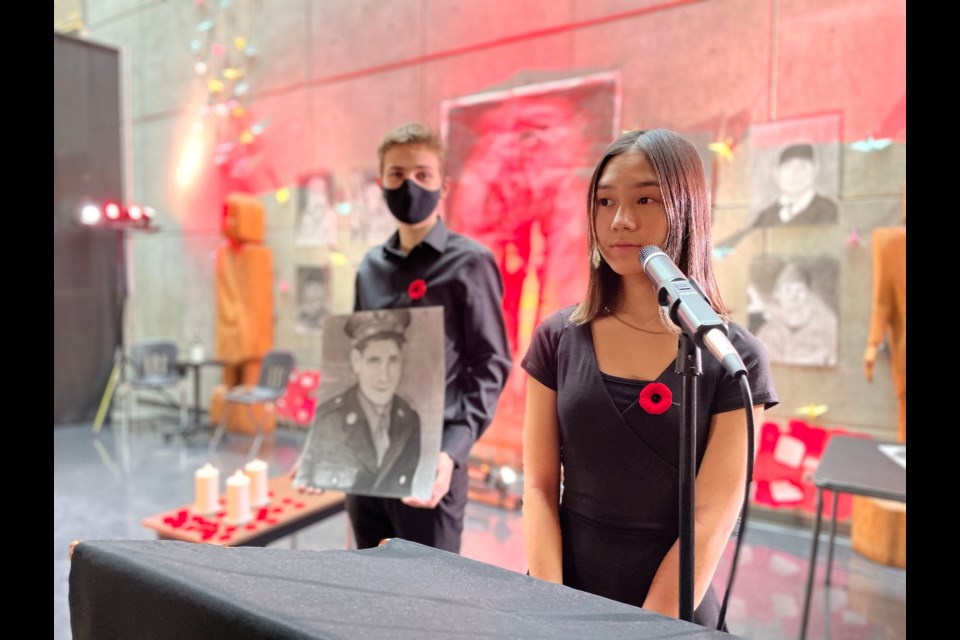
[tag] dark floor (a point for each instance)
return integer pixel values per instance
(103, 491)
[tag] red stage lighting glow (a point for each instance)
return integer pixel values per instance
(112, 210)
(135, 212)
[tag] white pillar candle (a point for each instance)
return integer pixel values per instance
(238, 498)
(256, 470)
(196, 350)
(206, 489)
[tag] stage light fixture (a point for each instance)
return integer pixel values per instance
(113, 215)
(90, 214)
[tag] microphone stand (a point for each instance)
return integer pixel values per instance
(688, 365)
(688, 308)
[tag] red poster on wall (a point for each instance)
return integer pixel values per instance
(519, 162)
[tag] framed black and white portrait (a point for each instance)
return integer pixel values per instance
(371, 222)
(795, 172)
(379, 419)
(793, 309)
(316, 220)
(313, 298)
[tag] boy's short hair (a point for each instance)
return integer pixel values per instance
(412, 133)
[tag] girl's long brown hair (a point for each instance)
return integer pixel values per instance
(687, 205)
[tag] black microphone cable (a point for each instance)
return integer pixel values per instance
(744, 511)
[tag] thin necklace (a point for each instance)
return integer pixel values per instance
(633, 326)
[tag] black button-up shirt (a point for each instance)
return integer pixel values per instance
(461, 276)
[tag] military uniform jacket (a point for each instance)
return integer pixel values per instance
(339, 453)
(821, 210)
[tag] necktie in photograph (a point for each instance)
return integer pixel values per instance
(381, 440)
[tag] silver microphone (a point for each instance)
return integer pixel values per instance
(689, 309)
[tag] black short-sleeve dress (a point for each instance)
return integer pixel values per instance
(619, 503)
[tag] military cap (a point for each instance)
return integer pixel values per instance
(384, 323)
(801, 150)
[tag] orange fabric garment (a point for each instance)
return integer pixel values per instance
(243, 219)
(244, 289)
(244, 328)
(889, 317)
(244, 273)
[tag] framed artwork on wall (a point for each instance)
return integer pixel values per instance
(518, 163)
(371, 222)
(794, 311)
(313, 298)
(316, 220)
(795, 172)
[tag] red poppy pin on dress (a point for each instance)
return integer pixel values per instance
(656, 398)
(417, 289)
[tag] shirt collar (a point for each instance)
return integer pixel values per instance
(371, 410)
(437, 238)
(793, 206)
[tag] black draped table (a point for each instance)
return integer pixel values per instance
(401, 590)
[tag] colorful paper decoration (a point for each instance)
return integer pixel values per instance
(298, 404)
(723, 148)
(853, 239)
(787, 458)
(812, 411)
(222, 56)
(871, 144)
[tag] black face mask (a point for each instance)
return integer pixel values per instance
(410, 202)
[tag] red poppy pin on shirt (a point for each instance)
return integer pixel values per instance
(417, 289)
(656, 398)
